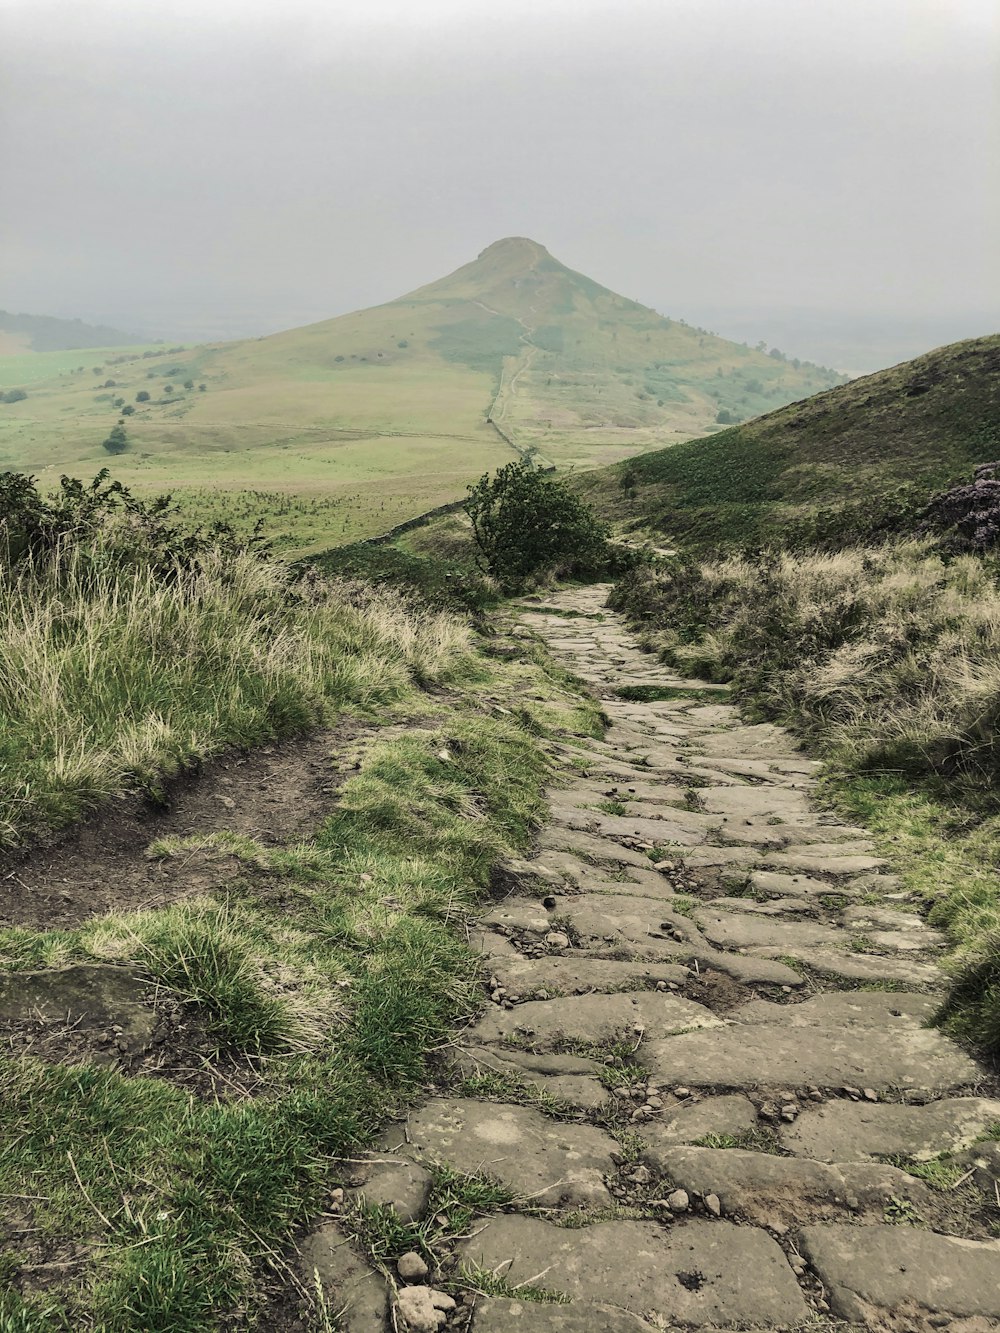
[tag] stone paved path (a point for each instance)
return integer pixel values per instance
(706, 1068)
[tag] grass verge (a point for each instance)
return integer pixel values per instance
(330, 968)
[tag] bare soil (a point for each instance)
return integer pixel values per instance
(277, 795)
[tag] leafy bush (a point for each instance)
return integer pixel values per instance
(525, 522)
(104, 518)
(142, 396)
(13, 396)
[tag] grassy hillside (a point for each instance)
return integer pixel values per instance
(826, 467)
(358, 422)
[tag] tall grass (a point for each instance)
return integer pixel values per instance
(888, 661)
(114, 673)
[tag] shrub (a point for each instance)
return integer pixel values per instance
(128, 410)
(142, 396)
(13, 396)
(525, 522)
(117, 441)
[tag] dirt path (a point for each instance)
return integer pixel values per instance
(272, 795)
(703, 1074)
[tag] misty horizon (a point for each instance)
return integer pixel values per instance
(823, 177)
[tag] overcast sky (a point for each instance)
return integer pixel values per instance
(227, 167)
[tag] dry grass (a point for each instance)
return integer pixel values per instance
(114, 675)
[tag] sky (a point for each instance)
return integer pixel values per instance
(824, 174)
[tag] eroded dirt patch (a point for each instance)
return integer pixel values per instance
(276, 795)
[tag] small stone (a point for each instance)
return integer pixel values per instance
(798, 1267)
(713, 1205)
(768, 1111)
(661, 985)
(555, 939)
(442, 1301)
(642, 1175)
(678, 1201)
(870, 1095)
(416, 1308)
(682, 1092)
(411, 1267)
(789, 1111)
(336, 1198)
(853, 1093)
(549, 901)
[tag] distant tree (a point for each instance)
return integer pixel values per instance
(13, 396)
(168, 388)
(118, 402)
(98, 370)
(108, 384)
(128, 410)
(142, 396)
(725, 417)
(778, 356)
(117, 441)
(202, 388)
(403, 342)
(189, 384)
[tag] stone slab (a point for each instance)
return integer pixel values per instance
(732, 1114)
(592, 1018)
(93, 996)
(766, 1189)
(890, 1268)
(772, 1055)
(494, 1315)
(848, 1009)
(858, 966)
(698, 1273)
(551, 1162)
(353, 1291)
(575, 971)
(567, 1077)
(587, 845)
(846, 1131)
(738, 930)
(401, 1185)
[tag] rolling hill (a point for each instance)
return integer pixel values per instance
(865, 453)
(350, 425)
(45, 333)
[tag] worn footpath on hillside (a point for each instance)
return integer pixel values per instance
(705, 1084)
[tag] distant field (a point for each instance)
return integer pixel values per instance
(24, 368)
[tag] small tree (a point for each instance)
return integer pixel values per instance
(142, 396)
(189, 384)
(117, 441)
(525, 522)
(13, 396)
(128, 410)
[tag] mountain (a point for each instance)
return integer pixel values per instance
(44, 333)
(366, 419)
(864, 454)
